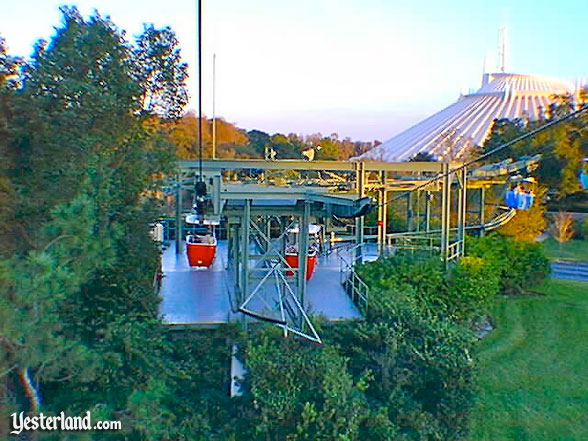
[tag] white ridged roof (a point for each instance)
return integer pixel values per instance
(467, 122)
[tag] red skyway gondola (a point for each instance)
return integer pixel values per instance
(313, 248)
(201, 246)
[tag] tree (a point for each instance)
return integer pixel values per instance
(285, 147)
(80, 83)
(81, 160)
(423, 157)
(562, 227)
(528, 224)
(9, 69)
(562, 147)
(160, 72)
(258, 141)
(230, 140)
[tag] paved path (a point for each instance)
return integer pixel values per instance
(569, 269)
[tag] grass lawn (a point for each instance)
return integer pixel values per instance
(533, 368)
(572, 249)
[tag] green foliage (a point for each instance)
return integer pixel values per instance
(77, 303)
(420, 370)
(423, 157)
(473, 283)
(159, 71)
(581, 229)
(302, 392)
(258, 141)
(562, 147)
(414, 348)
(462, 294)
(520, 265)
(527, 225)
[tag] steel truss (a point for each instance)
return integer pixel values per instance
(267, 288)
(259, 206)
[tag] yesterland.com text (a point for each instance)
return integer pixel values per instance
(21, 422)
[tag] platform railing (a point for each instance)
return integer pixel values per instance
(414, 242)
(455, 250)
(354, 286)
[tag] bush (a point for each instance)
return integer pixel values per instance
(528, 224)
(461, 295)
(473, 283)
(423, 279)
(419, 365)
(520, 265)
(302, 391)
(581, 229)
(561, 228)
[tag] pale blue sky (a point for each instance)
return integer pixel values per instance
(364, 68)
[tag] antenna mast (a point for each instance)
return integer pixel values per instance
(200, 88)
(502, 49)
(213, 106)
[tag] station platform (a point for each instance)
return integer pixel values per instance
(194, 295)
(202, 296)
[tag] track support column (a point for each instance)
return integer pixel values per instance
(360, 184)
(462, 210)
(244, 248)
(445, 212)
(382, 213)
(179, 223)
(482, 207)
(303, 253)
(427, 211)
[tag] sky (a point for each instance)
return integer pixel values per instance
(364, 69)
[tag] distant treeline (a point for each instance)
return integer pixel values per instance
(234, 142)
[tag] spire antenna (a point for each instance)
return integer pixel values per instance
(502, 49)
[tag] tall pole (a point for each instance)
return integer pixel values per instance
(482, 206)
(360, 185)
(213, 106)
(303, 254)
(200, 88)
(179, 225)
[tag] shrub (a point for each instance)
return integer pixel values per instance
(462, 294)
(301, 391)
(520, 265)
(528, 224)
(419, 364)
(581, 229)
(472, 284)
(562, 227)
(424, 279)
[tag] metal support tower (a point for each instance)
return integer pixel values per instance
(303, 253)
(360, 181)
(267, 287)
(179, 219)
(445, 212)
(382, 212)
(428, 198)
(482, 205)
(461, 210)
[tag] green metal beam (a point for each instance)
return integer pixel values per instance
(293, 164)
